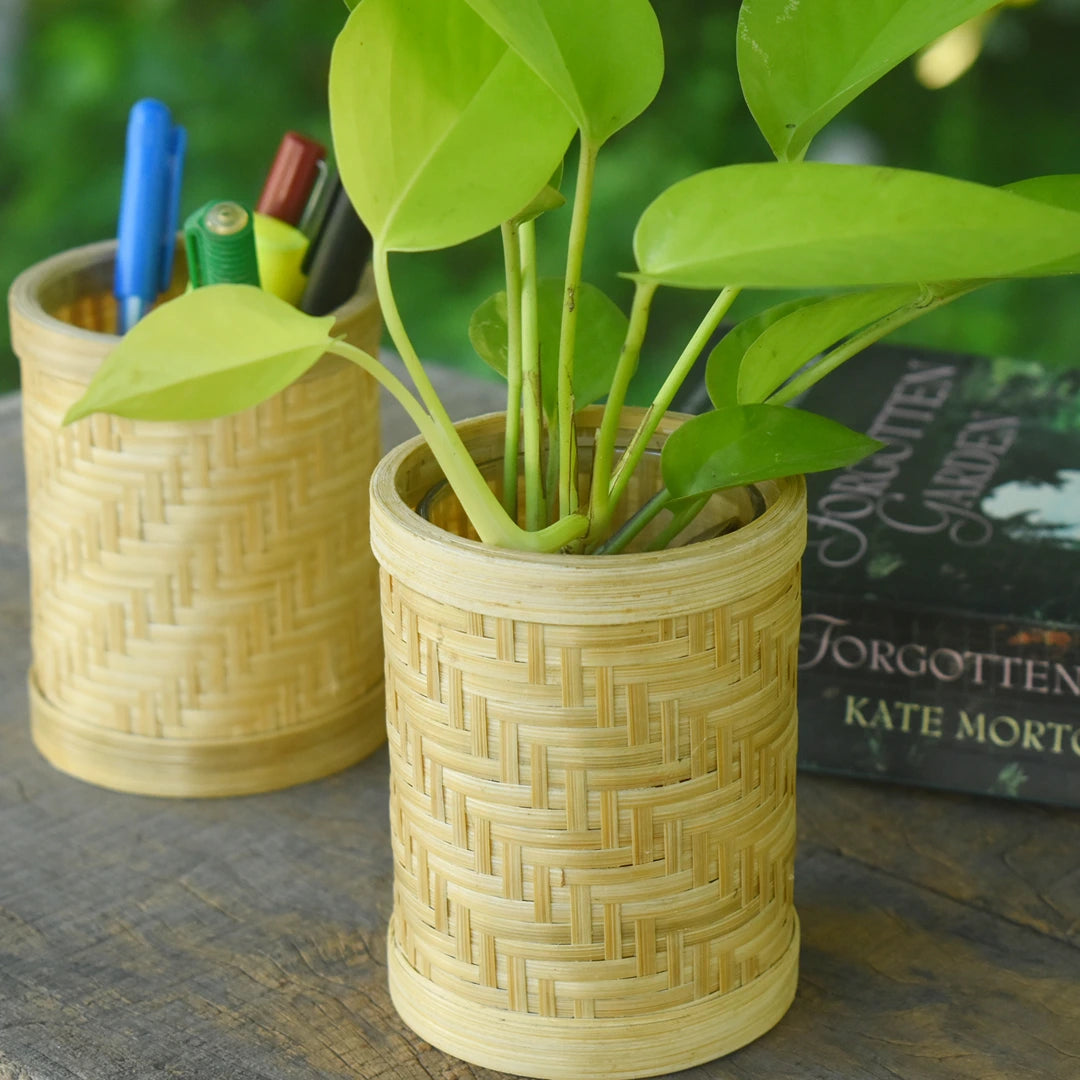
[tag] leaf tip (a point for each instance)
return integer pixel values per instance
(77, 412)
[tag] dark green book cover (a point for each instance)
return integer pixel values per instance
(941, 626)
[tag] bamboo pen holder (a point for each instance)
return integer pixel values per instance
(202, 593)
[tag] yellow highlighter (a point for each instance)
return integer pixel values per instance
(280, 249)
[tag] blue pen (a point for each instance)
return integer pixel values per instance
(149, 210)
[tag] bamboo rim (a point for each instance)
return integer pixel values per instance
(587, 588)
(622, 1048)
(206, 768)
(68, 351)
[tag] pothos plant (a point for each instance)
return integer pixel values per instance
(451, 118)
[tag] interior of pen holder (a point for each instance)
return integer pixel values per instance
(83, 297)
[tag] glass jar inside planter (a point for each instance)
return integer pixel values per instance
(725, 511)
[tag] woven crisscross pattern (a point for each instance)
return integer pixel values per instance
(593, 817)
(201, 592)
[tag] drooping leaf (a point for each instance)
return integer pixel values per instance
(742, 444)
(214, 351)
(722, 367)
(603, 58)
(813, 225)
(601, 332)
(801, 61)
(799, 336)
(441, 132)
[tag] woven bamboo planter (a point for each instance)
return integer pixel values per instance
(592, 784)
(201, 592)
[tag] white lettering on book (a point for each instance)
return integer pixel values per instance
(1003, 732)
(950, 504)
(828, 640)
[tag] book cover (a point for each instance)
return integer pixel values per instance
(941, 611)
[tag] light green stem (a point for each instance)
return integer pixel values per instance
(633, 525)
(530, 370)
(479, 502)
(604, 455)
(665, 395)
(575, 254)
(857, 342)
(679, 520)
(551, 483)
(512, 260)
(477, 499)
(401, 340)
(385, 377)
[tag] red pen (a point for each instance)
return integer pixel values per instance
(291, 178)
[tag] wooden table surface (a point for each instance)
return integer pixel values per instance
(245, 939)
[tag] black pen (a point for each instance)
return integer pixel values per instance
(337, 255)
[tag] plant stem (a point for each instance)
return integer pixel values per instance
(396, 328)
(551, 483)
(604, 454)
(530, 370)
(857, 342)
(633, 525)
(575, 254)
(385, 377)
(512, 260)
(477, 499)
(479, 502)
(664, 396)
(679, 520)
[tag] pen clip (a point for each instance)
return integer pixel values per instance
(196, 271)
(317, 202)
(171, 218)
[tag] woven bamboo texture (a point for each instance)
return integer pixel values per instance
(202, 593)
(592, 787)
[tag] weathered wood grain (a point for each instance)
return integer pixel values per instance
(1018, 861)
(244, 939)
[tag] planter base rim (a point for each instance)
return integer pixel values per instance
(620, 1048)
(204, 768)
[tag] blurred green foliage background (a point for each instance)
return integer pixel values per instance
(237, 74)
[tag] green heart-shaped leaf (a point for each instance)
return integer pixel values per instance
(801, 63)
(441, 132)
(211, 352)
(742, 444)
(722, 367)
(601, 331)
(816, 225)
(603, 58)
(488, 332)
(797, 337)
